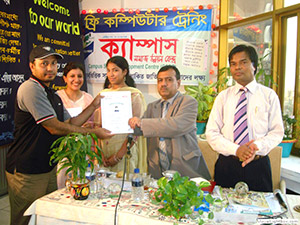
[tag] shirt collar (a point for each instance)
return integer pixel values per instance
(251, 87)
(32, 77)
(170, 100)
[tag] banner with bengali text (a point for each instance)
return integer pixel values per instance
(149, 41)
(23, 25)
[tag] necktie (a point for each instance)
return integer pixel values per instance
(162, 150)
(240, 128)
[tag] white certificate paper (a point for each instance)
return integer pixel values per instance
(116, 110)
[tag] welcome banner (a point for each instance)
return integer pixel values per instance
(23, 25)
(149, 41)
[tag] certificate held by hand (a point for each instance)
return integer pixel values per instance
(116, 110)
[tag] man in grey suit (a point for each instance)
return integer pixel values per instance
(171, 129)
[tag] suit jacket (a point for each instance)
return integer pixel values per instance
(179, 130)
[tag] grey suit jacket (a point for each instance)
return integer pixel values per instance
(179, 130)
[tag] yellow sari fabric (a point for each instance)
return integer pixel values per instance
(139, 149)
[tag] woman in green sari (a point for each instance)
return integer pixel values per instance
(115, 149)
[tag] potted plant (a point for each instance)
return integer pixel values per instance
(205, 96)
(76, 152)
(180, 196)
(288, 137)
(263, 74)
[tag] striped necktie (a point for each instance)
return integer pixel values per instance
(240, 128)
(162, 148)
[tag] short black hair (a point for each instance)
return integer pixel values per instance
(167, 67)
(249, 50)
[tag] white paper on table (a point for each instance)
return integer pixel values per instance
(116, 110)
(273, 203)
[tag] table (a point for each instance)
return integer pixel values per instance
(59, 207)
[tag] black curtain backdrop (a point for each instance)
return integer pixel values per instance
(23, 25)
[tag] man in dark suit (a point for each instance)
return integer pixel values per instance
(171, 129)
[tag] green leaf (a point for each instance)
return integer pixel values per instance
(208, 98)
(175, 214)
(168, 197)
(196, 201)
(209, 199)
(168, 188)
(204, 184)
(175, 202)
(188, 211)
(158, 195)
(162, 182)
(181, 189)
(162, 211)
(201, 221)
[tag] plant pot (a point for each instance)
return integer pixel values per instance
(80, 191)
(287, 147)
(201, 125)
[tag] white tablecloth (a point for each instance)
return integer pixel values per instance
(59, 207)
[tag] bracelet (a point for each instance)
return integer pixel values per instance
(116, 158)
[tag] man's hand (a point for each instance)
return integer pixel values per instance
(246, 151)
(102, 133)
(253, 147)
(248, 160)
(135, 121)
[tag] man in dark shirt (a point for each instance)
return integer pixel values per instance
(40, 118)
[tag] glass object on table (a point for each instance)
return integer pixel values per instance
(101, 175)
(68, 182)
(241, 189)
(153, 183)
(147, 179)
(218, 205)
(113, 190)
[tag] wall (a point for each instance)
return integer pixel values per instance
(149, 91)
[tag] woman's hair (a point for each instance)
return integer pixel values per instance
(71, 66)
(106, 83)
(123, 64)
